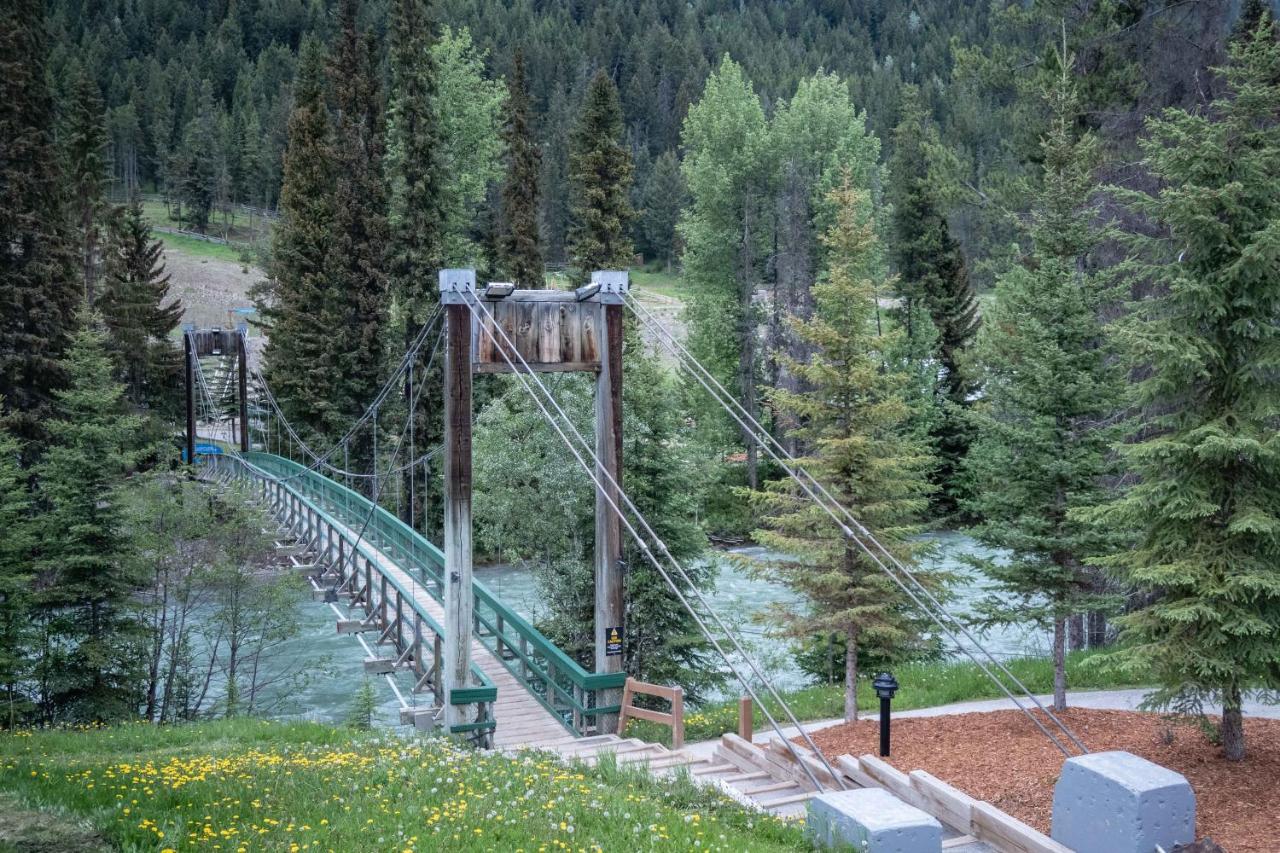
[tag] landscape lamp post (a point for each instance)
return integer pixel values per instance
(885, 685)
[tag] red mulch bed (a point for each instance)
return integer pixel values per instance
(1001, 757)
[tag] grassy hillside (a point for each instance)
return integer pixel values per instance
(245, 785)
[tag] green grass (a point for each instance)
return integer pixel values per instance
(923, 685)
(200, 248)
(663, 283)
(247, 785)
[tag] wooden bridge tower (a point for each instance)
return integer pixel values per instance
(553, 331)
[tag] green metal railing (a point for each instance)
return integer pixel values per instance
(485, 692)
(551, 676)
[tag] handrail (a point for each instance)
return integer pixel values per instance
(558, 681)
(487, 691)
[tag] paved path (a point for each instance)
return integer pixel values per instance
(1109, 700)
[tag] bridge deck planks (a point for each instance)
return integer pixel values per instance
(527, 721)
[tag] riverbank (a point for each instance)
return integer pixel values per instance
(923, 685)
(258, 785)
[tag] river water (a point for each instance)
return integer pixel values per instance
(335, 670)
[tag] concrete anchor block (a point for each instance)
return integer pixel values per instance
(1117, 802)
(871, 820)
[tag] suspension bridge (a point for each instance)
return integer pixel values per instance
(457, 657)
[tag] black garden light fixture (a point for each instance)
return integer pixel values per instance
(885, 686)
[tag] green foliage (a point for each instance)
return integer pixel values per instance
(600, 174)
(84, 144)
(294, 770)
(853, 424)
(469, 116)
(291, 303)
(15, 579)
(521, 249)
(1050, 391)
(725, 139)
(521, 463)
(1205, 343)
(932, 274)
(133, 306)
(90, 631)
(354, 308)
(364, 707)
(39, 288)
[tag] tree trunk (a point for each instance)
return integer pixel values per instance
(1077, 632)
(1097, 629)
(1232, 729)
(851, 676)
(747, 334)
(1059, 664)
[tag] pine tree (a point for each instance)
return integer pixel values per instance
(600, 183)
(85, 152)
(89, 660)
(415, 177)
(355, 306)
(292, 303)
(661, 200)
(133, 306)
(197, 168)
(855, 426)
(39, 289)
(521, 245)
(1205, 345)
(1049, 392)
(15, 581)
(932, 274)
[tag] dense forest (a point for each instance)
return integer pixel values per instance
(1006, 267)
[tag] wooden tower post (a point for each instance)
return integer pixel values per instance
(610, 636)
(190, 357)
(242, 391)
(457, 289)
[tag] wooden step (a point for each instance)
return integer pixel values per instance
(746, 777)
(773, 786)
(786, 801)
(715, 768)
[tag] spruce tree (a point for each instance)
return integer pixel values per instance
(600, 183)
(85, 152)
(293, 300)
(520, 243)
(39, 287)
(1203, 456)
(415, 178)
(15, 581)
(855, 431)
(932, 274)
(91, 631)
(1049, 392)
(355, 306)
(137, 311)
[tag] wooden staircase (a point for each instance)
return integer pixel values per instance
(739, 769)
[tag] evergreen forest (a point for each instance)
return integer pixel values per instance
(1004, 268)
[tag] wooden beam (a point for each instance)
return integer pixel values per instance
(242, 390)
(458, 596)
(608, 557)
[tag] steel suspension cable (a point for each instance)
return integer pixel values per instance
(813, 488)
(488, 327)
(391, 383)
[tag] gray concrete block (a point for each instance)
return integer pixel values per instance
(871, 820)
(1116, 802)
